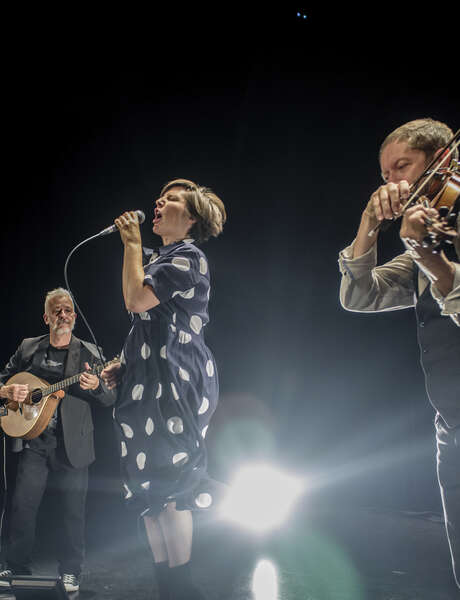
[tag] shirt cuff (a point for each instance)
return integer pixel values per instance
(450, 304)
(359, 266)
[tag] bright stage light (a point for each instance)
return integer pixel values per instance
(260, 497)
(265, 581)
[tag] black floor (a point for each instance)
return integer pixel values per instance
(323, 553)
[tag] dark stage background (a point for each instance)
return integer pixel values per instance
(283, 118)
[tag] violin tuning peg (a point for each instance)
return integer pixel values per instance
(443, 211)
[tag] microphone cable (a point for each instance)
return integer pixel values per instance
(5, 488)
(80, 312)
(106, 231)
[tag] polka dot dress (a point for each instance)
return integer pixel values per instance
(169, 388)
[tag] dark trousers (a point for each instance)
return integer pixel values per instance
(448, 466)
(37, 470)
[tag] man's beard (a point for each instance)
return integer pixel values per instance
(63, 329)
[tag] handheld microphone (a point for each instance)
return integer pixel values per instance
(113, 228)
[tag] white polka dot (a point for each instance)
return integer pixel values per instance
(174, 318)
(163, 351)
(137, 392)
(149, 426)
(129, 433)
(210, 368)
(173, 328)
(203, 266)
(180, 456)
(144, 316)
(145, 485)
(182, 263)
(175, 425)
(174, 391)
(124, 450)
(153, 258)
(204, 406)
(184, 337)
(205, 431)
(159, 391)
(196, 324)
(183, 374)
(128, 491)
(140, 460)
(187, 295)
(148, 276)
(145, 351)
(203, 500)
(113, 414)
(209, 292)
(122, 358)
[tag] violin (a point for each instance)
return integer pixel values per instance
(437, 187)
(444, 196)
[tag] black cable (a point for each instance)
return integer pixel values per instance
(5, 488)
(93, 337)
(111, 229)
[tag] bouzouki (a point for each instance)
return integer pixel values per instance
(30, 418)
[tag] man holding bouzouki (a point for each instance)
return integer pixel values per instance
(53, 430)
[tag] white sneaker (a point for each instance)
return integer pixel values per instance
(5, 577)
(70, 581)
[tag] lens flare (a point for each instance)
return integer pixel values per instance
(265, 581)
(260, 497)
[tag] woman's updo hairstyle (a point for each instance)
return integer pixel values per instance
(204, 206)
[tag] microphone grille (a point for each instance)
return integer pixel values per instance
(140, 216)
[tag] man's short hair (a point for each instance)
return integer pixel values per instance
(54, 294)
(427, 135)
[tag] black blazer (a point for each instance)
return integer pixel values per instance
(75, 407)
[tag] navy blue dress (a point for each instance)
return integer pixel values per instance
(169, 387)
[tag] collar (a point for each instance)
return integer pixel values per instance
(150, 253)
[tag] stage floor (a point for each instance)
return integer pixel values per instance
(323, 553)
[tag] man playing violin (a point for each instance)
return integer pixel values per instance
(59, 457)
(420, 278)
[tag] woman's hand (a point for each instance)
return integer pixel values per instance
(128, 226)
(111, 375)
